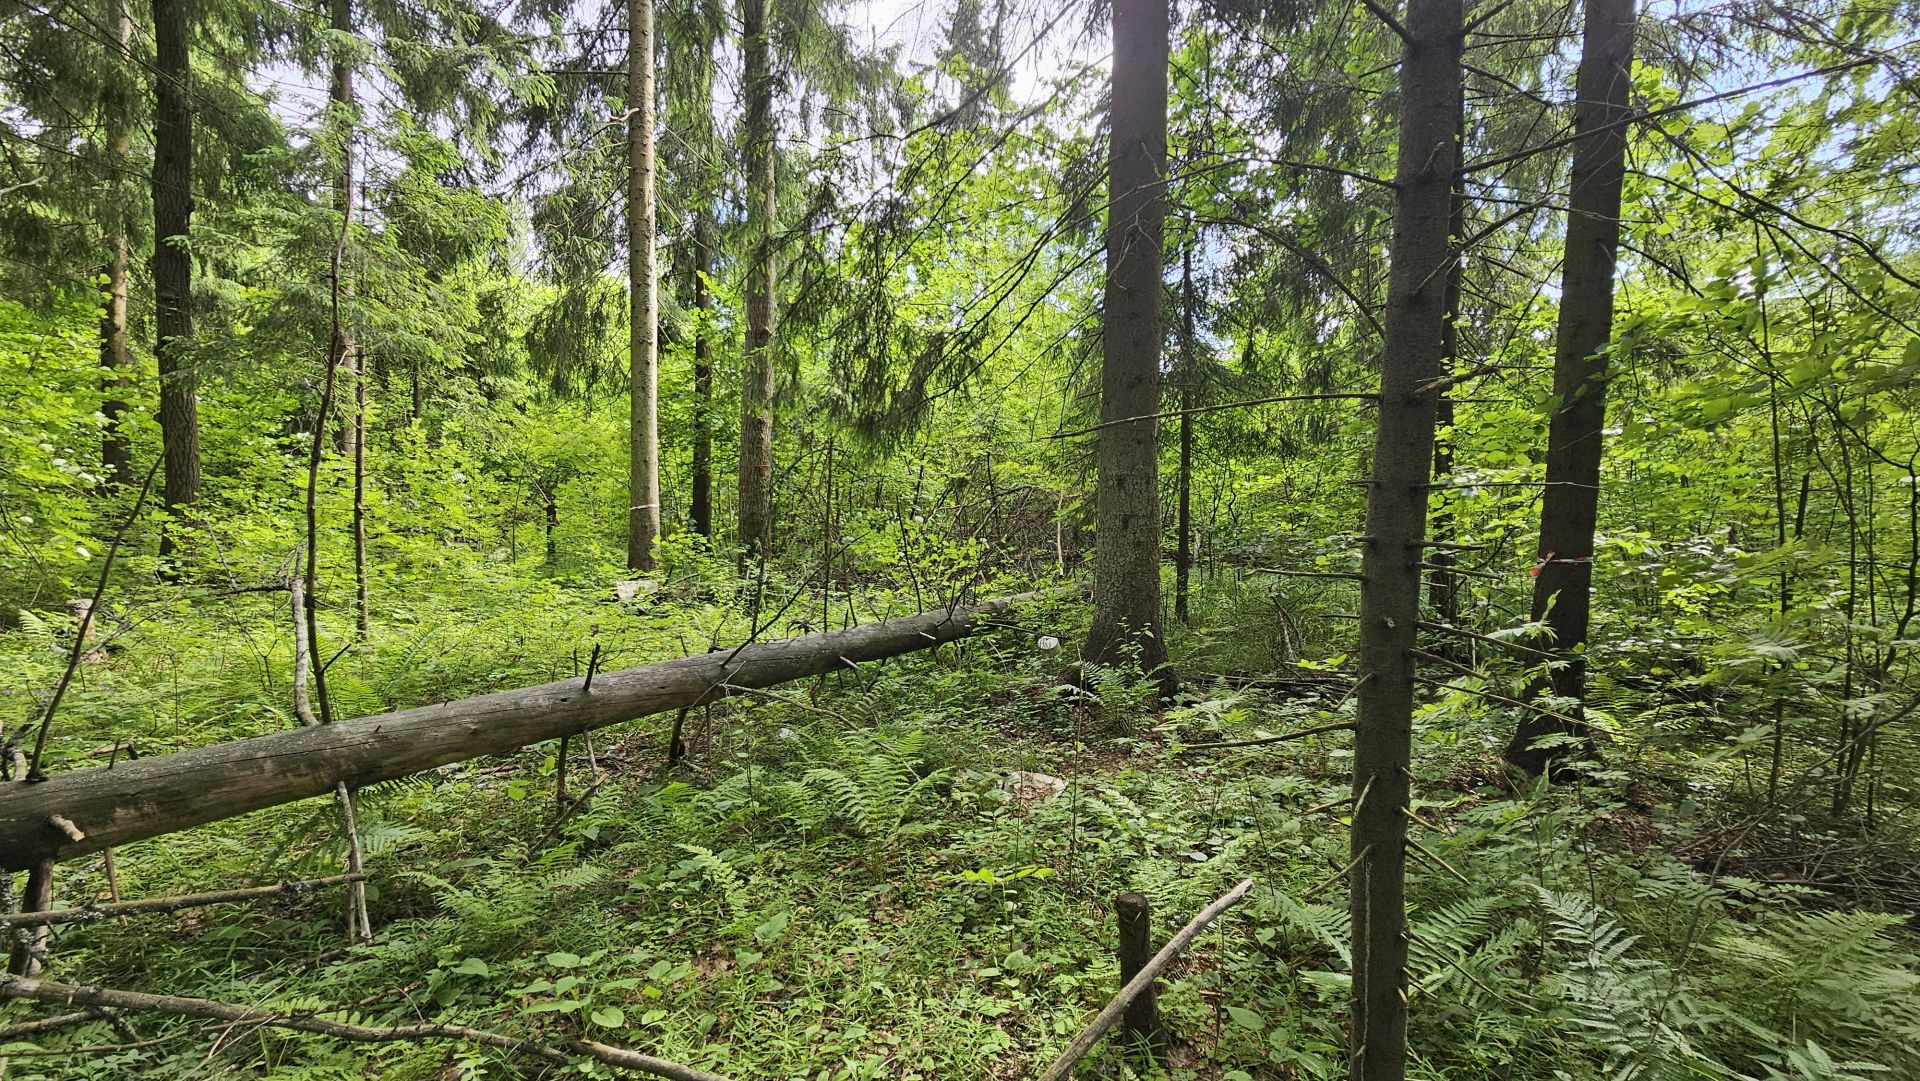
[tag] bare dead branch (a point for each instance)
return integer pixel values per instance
(107, 998)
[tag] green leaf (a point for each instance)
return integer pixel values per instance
(769, 932)
(608, 1017)
(1246, 1019)
(473, 966)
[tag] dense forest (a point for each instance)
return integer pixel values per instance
(844, 539)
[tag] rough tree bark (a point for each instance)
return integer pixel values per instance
(643, 514)
(158, 795)
(173, 265)
(756, 386)
(1562, 591)
(116, 351)
(1443, 586)
(1126, 584)
(701, 510)
(1411, 356)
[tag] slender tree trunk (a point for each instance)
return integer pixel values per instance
(302, 655)
(345, 362)
(1126, 585)
(1411, 358)
(173, 265)
(358, 927)
(643, 515)
(701, 510)
(116, 351)
(1850, 608)
(826, 548)
(363, 617)
(756, 386)
(1443, 585)
(550, 504)
(1562, 591)
(1183, 548)
(1784, 595)
(345, 358)
(705, 192)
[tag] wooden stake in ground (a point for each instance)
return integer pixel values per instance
(1133, 917)
(1111, 1014)
(1412, 350)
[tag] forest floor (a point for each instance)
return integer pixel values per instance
(908, 872)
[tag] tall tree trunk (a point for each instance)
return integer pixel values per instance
(345, 361)
(116, 351)
(643, 341)
(701, 511)
(756, 386)
(345, 358)
(1126, 584)
(706, 190)
(173, 265)
(1562, 591)
(1183, 547)
(363, 618)
(1411, 358)
(1443, 586)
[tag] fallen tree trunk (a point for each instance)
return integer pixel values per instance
(98, 808)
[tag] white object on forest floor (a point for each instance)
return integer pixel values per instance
(1034, 787)
(632, 588)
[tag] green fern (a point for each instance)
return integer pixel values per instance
(503, 900)
(706, 863)
(1618, 1004)
(872, 787)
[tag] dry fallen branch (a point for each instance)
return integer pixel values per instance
(47, 1024)
(106, 998)
(89, 913)
(1342, 726)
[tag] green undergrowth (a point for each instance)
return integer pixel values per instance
(863, 878)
